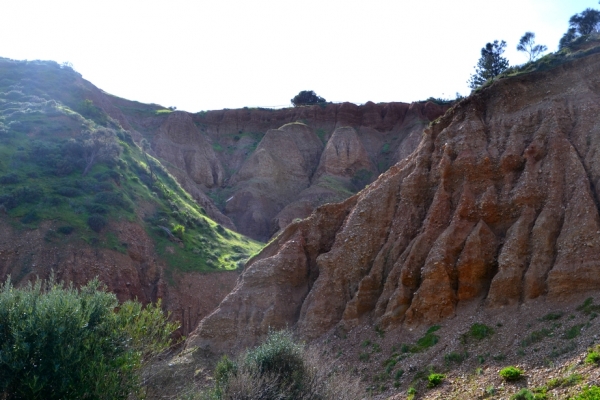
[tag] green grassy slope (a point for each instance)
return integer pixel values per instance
(49, 129)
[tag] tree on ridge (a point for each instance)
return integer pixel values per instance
(527, 45)
(490, 65)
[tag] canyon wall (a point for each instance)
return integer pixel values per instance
(497, 205)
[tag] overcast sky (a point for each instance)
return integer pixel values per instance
(205, 55)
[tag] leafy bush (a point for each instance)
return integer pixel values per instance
(428, 340)
(588, 307)
(511, 373)
(523, 394)
(593, 357)
(435, 379)
(553, 316)
(178, 230)
(480, 331)
(589, 393)
(96, 222)
(573, 331)
(455, 357)
(280, 369)
(65, 230)
(58, 342)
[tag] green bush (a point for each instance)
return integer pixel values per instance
(435, 379)
(593, 357)
(511, 373)
(480, 331)
(65, 230)
(178, 230)
(523, 394)
(588, 393)
(58, 342)
(96, 222)
(280, 369)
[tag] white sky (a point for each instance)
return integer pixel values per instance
(205, 55)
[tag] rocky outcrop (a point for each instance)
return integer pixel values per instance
(180, 143)
(498, 205)
(279, 169)
(345, 155)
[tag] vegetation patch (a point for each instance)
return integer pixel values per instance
(511, 373)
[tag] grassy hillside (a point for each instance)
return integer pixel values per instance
(62, 159)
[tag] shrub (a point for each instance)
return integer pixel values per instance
(552, 316)
(435, 379)
(589, 393)
(511, 373)
(523, 394)
(280, 368)
(58, 342)
(455, 357)
(428, 340)
(573, 331)
(593, 357)
(96, 222)
(65, 230)
(178, 230)
(480, 331)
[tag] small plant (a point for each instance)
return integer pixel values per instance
(589, 393)
(490, 390)
(588, 307)
(553, 316)
(178, 230)
(523, 394)
(365, 343)
(364, 357)
(398, 374)
(454, 357)
(379, 331)
(511, 373)
(435, 379)
(573, 331)
(427, 341)
(593, 357)
(411, 393)
(96, 222)
(480, 331)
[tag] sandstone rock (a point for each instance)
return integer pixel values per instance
(497, 205)
(179, 142)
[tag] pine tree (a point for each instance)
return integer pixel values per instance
(490, 65)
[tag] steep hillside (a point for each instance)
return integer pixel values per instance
(497, 209)
(80, 198)
(248, 166)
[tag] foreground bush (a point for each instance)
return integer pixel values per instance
(59, 342)
(511, 373)
(281, 369)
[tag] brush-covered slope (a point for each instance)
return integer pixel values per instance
(497, 206)
(80, 198)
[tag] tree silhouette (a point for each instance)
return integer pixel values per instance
(582, 24)
(527, 45)
(307, 97)
(490, 65)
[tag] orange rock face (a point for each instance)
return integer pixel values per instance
(497, 205)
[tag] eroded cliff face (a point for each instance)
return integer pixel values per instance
(497, 205)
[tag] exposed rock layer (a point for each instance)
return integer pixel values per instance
(498, 204)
